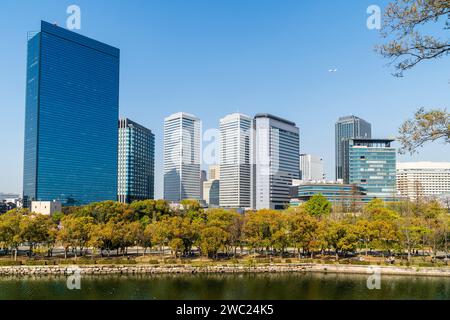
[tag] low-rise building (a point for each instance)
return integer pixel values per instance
(336, 192)
(423, 179)
(46, 207)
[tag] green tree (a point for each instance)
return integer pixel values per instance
(318, 206)
(342, 237)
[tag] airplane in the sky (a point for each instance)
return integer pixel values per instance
(332, 70)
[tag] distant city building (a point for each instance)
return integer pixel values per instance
(7, 205)
(47, 208)
(372, 165)
(203, 179)
(211, 192)
(5, 196)
(182, 134)
(350, 127)
(235, 161)
(423, 179)
(311, 168)
(136, 175)
(275, 154)
(72, 107)
(214, 172)
(345, 195)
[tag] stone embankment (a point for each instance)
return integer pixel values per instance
(219, 269)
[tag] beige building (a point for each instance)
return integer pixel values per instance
(47, 208)
(423, 179)
(214, 172)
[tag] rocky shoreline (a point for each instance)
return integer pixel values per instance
(219, 269)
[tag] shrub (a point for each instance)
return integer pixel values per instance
(170, 261)
(35, 263)
(276, 261)
(8, 263)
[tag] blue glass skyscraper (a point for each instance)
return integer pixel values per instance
(72, 108)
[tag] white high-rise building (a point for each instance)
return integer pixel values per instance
(276, 151)
(311, 168)
(182, 145)
(423, 179)
(235, 161)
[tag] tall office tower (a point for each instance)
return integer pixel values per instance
(136, 162)
(235, 161)
(373, 167)
(72, 108)
(182, 132)
(311, 168)
(347, 128)
(214, 172)
(276, 151)
(203, 179)
(423, 179)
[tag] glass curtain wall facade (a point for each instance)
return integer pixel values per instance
(350, 127)
(373, 167)
(136, 162)
(72, 107)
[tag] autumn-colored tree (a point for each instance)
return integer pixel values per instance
(342, 237)
(260, 227)
(10, 231)
(427, 126)
(35, 229)
(213, 239)
(75, 233)
(304, 231)
(407, 43)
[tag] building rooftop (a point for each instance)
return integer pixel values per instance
(181, 115)
(423, 165)
(235, 116)
(367, 142)
(63, 33)
(129, 123)
(270, 116)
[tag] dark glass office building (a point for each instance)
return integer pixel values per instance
(136, 162)
(350, 127)
(72, 108)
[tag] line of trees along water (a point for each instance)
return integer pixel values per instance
(111, 227)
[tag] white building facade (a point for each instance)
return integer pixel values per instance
(235, 161)
(182, 145)
(311, 168)
(275, 154)
(423, 179)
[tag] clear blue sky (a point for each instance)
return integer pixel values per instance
(213, 57)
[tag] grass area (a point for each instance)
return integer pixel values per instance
(250, 260)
